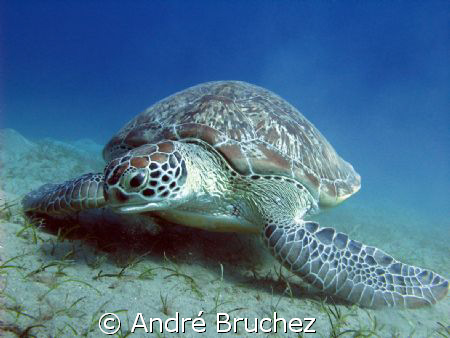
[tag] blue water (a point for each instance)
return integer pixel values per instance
(372, 76)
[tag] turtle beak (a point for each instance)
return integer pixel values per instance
(124, 203)
(137, 208)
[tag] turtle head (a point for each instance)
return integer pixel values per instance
(151, 177)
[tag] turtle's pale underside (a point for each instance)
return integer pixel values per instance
(231, 156)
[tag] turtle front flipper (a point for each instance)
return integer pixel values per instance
(349, 269)
(81, 202)
(63, 199)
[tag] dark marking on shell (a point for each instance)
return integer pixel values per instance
(199, 131)
(234, 154)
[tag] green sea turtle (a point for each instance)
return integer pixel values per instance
(231, 156)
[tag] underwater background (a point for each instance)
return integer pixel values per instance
(372, 76)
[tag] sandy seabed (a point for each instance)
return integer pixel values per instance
(60, 285)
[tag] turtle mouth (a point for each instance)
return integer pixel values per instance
(135, 208)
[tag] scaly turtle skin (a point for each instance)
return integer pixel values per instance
(231, 156)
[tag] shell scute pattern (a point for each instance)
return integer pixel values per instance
(255, 130)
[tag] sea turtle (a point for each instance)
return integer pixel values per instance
(232, 156)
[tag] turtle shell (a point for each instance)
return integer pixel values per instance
(255, 130)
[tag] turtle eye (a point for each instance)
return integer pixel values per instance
(137, 180)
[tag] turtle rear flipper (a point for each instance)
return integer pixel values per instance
(84, 192)
(350, 270)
